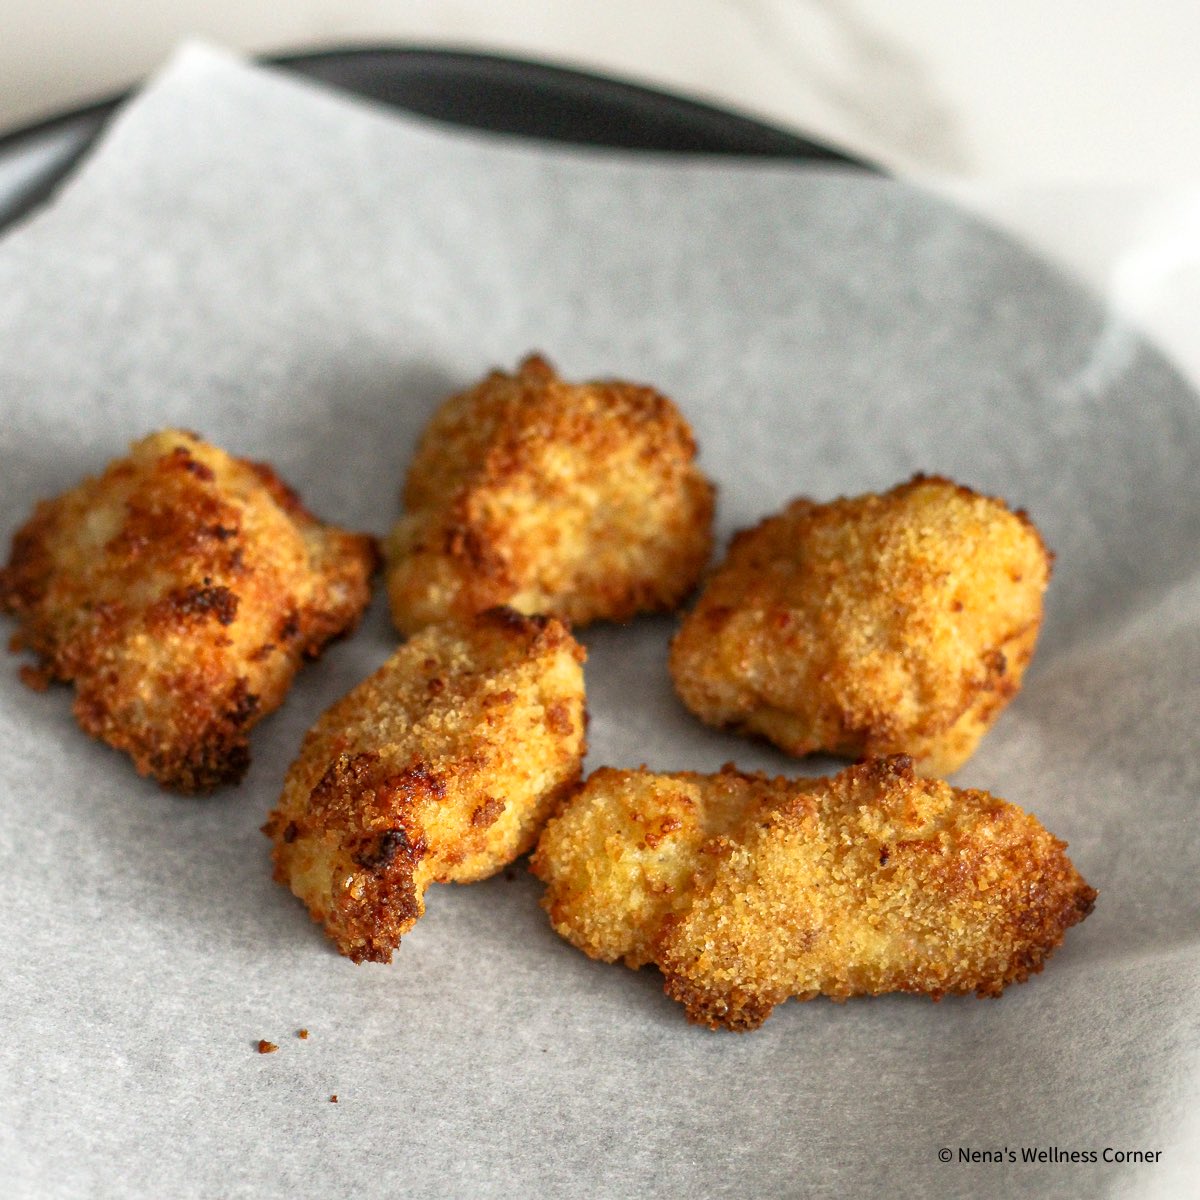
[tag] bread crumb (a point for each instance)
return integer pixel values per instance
(265, 1047)
(34, 678)
(302, 1034)
(333, 1099)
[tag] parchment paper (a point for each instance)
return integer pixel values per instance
(302, 278)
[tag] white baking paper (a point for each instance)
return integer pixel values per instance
(301, 278)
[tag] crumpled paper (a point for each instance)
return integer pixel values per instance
(301, 278)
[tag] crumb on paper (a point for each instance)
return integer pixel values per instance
(302, 1034)
(37, 679)
(265, 1047)
(333, 1099)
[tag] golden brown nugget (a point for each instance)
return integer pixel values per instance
(441, 767)
(898, 623)
(180, 591)
(578, 499)
(746, 890)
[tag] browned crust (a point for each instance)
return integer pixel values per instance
(440, 767)
(879, 624)
(528, 491)
(157, 587)
(757, 889)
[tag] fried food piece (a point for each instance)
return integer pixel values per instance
(577, 499)
(746, 890)
(180, 591)
(900, 623)
(441, 767)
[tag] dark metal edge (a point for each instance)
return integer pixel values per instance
(513, 97)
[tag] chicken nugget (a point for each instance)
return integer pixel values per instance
(899, 623)
(180, 591)
(578, 499)
(746, 890)
(441, 767)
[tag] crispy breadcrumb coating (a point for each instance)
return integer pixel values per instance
(746, 890)
(578, 499)
(894, 623)
(180, 591)
(441, 767)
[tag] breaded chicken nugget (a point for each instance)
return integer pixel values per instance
(578, 499)
(746, 890)
(180, 591)
(899, 623)
(441, 767)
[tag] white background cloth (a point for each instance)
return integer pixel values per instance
(1039, 91)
